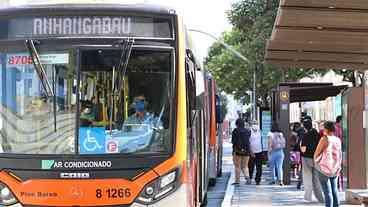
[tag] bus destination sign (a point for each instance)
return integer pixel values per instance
(82, 26)
(85, 26)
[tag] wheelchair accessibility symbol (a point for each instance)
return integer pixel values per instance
(91, 143)
(92, 140)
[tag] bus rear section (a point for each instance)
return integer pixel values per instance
(94, 108)
(214, 130)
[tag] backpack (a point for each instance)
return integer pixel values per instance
(278, 141)
(329, 162)
(241, 144)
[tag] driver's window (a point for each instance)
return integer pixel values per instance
(129, 117)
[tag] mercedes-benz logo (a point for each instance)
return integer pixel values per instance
(76, 192)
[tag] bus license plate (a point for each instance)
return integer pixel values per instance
(113, 193)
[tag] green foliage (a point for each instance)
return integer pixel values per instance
(350, 76)
(252, 22)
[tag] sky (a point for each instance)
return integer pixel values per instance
(206, 15)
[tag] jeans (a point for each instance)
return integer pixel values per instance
(241, 164)
(311, 181)
(329, 187)
(276, 162)
(256, 162)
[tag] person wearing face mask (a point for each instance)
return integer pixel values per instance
(256, 153)
(141, 116)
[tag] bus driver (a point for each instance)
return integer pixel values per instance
(139, 128)
(141, 116)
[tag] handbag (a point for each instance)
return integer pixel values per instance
(295, 157)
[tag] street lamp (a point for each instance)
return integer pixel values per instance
(236, 53)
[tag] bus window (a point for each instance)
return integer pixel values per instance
(31, 122)
(132, 119)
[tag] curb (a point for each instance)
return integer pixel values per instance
(229, 191)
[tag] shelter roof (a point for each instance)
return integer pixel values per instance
(320, 34)
(311, 91)
(304, 84)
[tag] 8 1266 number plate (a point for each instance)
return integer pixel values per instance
(113, 193)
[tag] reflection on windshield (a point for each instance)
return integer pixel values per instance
(132, 119)
(27, 115)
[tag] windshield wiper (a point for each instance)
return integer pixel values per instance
(42, 74)
(126, 49)
(126, 46)
(39, 68)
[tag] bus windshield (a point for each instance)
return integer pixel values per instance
(132, 119)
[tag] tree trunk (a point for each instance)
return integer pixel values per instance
(268, 6)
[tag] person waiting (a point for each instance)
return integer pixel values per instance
(241, 150)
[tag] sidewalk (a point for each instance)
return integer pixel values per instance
(263, 195)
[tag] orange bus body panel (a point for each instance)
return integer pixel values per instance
(213, 116)
(181, 115)
(55, 192)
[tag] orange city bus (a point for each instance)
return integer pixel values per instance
(214, 126)
(101, 105)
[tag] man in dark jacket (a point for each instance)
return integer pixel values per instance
(241, 150)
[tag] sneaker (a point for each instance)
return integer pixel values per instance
(272, 183)
(248, 182)
(235, 183)
(280, 183)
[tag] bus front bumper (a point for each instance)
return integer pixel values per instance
(177, 199)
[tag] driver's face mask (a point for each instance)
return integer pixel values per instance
(139, 105)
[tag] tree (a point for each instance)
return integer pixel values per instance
(252, 22)
(349, 76)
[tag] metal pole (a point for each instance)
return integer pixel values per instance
(254, 94)
(236, 53)
(365, 125)
(228, 47)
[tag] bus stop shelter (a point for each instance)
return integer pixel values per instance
(287, 93)
(331, 34)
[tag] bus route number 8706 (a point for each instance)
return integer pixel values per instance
(113, 193)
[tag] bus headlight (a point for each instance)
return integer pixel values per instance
(7, 198)
(167, 179)
(159, 188)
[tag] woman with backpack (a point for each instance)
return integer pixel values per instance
(276, 145)
(241, 150)
(328, 158)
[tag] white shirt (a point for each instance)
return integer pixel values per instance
(255, 141)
